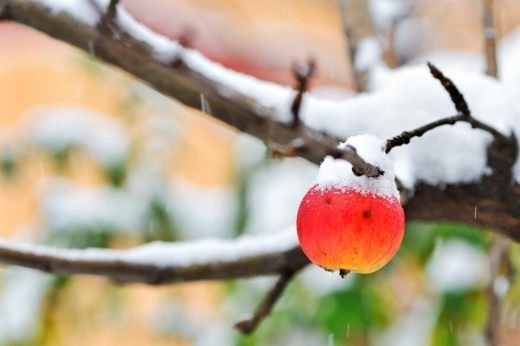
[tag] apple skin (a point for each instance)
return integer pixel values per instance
(341, 228)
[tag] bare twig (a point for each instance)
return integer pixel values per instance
(357, 27)
(107, 14)
(302, 75)
(456, 96)
(497, 256)
(249, 325)
(460, 105)
(186, 41)
(490, 45)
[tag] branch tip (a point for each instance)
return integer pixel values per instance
(302, 74)
(456, 96)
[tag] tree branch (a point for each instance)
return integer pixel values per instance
(249, 325)
(159, 263)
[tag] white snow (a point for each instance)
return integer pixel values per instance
(456, 265)
(321, 282)
(57, 128)
(66, 207)
(21, 300)
(412, 328)
(202, 211)
(385, 13)
(174, 254)
(338, 172)
(368, 54)
(275, 192)
(81, 10)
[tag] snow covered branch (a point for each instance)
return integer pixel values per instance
(161, 263)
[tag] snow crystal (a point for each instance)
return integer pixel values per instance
(338, 172)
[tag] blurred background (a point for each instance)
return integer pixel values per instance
(89, 156)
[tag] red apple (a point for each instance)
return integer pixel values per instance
(344, 228)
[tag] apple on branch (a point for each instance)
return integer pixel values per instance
(348, 222)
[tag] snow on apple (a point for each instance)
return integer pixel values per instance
(352, 222)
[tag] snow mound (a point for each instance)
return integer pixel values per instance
(338, 172)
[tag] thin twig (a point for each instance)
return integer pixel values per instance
(490, 45)
(498, 250)
(185, 40)
(302, 75)
(357, 27)
(249, 325)
(460, 105)
(497, 257)
(456, 96)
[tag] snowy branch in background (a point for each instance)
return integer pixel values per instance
(490, 39)
(162, 263)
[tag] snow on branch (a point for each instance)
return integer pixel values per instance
(161, 263)
(460, 105)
